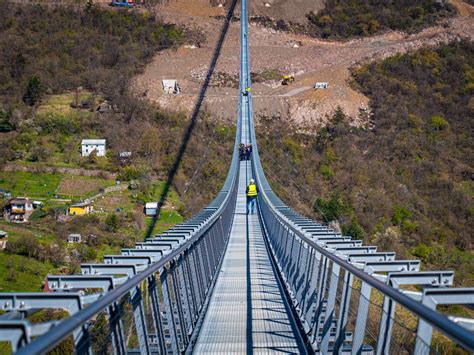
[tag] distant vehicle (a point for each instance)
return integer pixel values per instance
(124, 3)
(287, 79)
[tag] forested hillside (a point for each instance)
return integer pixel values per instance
(345, 19)
(341, 19)
(404, 183)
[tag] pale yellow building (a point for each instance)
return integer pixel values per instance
(80, 209)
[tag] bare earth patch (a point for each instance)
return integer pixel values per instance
(80, 186)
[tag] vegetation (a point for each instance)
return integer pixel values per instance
(341, 19)
(60, 48)
(46, 187)
(119, 222)
(22, 273)
(346, 19)
(406, 183)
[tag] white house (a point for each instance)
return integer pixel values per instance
(90, 145)
(170, 86)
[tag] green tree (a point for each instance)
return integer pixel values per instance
(331, 209)
(34, 91)
(112, 222)
(6, 124)
(353, 229)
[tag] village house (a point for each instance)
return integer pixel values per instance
(79, 209)
(3, 239)
(93, 145)
(18, 210)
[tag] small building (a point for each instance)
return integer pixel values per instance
(321, 85)
(3, 239)
(151, 208)
(170, 86)
(74, 238)
(125, 154)
(18, 210)
(93, 145)
(79, 209)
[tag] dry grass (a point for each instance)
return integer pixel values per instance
(81, 185)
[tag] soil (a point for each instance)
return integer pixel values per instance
(309, 60)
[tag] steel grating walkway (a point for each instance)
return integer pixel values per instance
(247, 312)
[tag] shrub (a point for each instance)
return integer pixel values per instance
(6, 124)
(422, 251)
(37, 214)
(438, 123)
(112, 222)
(326, 171)
(353, 229)
(400, 214)
(130, 173)
(330, 209)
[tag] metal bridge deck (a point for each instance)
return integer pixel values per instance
(247, 312)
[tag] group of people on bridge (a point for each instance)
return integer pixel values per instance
(245, 151)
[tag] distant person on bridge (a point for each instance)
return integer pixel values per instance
(252, 192)
(246, 92)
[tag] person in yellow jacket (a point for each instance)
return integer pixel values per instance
(252, 192)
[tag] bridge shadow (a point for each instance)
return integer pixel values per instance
(194, 117)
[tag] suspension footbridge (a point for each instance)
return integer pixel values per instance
(228, 282)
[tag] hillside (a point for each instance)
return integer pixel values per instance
(404, 182)
(54, 77)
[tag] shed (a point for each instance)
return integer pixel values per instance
(3, 239)
(38, 204)
(74, 238)
(151, 208)
(80, 208)
(125, 154)
(170, 86)
(321, 85)
(90, 145)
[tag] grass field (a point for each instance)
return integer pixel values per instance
(61, 104)
(168, 218)
(33, 185)
(82, 186)
(45, 186)
(20, 273)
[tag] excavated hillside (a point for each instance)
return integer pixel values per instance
(274, 54)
